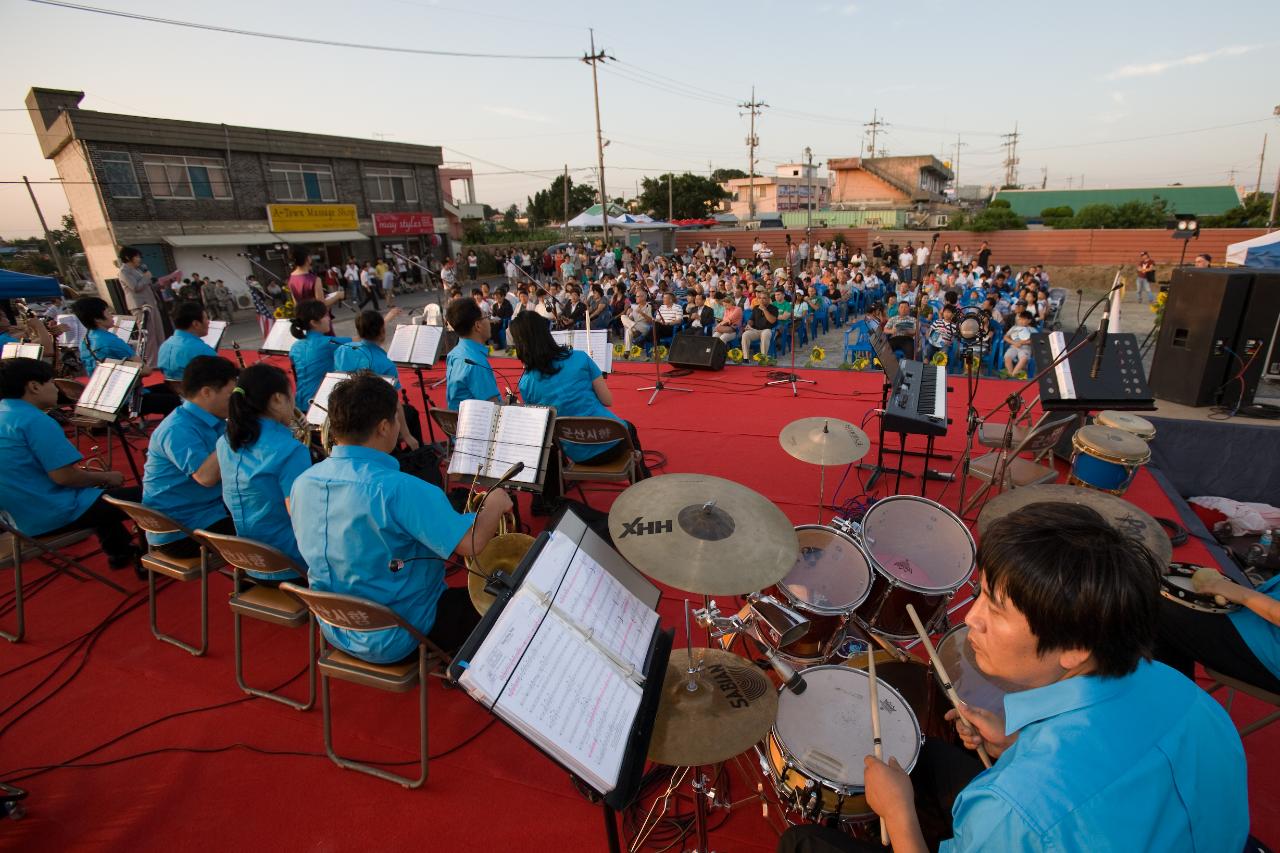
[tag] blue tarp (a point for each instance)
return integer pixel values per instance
(18, 284)
(1260, 252)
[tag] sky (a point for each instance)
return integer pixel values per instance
(1108, 94)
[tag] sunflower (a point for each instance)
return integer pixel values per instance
(939, 358)
(617, 350)
(758, 358)
(735, 354)
(511, 352)
(660, 353)
(636, 351)
(817, 354)
(861, 363)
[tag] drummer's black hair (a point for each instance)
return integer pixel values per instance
(1080, 582)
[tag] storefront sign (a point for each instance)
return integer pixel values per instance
(402, 224)
(312, 217)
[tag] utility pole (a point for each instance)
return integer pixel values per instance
(594, 59)
(754, 108)
(808, 219)
(874, 127)
(1262, 158)
(1044, 177)
(669, 197)
(57, 256)
(566, 195)
(1231, 176)
(955, 165)
(1011, 159)
(1275, 197)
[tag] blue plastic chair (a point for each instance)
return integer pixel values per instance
(857, 342)
(822, 317)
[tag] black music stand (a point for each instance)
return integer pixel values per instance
(1121, 381)
(108, 404)
(417, 359)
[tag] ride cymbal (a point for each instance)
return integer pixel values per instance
(824, 441)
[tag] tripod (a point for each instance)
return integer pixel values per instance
(792, 378)
(658, 385)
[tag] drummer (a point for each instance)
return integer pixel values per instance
(1102, 749)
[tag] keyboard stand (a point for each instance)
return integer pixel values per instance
(931, 474)
(879, 468)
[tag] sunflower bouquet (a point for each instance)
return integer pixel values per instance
(511, 352)
(660, 353)
(635, 352)
(861, 363)
(817, 355)
(939, 358)
(735, 355)
(618, 350)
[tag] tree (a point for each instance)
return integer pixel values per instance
(509, 218)
(548, 205)
(996, 217)
(1057, 217)
(1252, 214)
(722, 175)
(692, 196)
(1095, 216)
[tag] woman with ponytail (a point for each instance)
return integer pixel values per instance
(259, 459)
(312, 355)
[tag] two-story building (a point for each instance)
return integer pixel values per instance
(793, 186)
(889, 183)
(209, 198)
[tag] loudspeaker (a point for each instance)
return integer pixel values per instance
(1256, 341)
(704, 352)
(1201, 320)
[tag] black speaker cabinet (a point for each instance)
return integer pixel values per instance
(1256, 341)
(1201, 320)
(703, 352)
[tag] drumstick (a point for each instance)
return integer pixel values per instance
(875, 728)
(946, 679)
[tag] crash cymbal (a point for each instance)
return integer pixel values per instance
(502, 554)
(703, 534)
(824, 441)
(732, 707)
(1122, 515)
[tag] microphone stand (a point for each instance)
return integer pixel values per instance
(658, 385)
(792, 378)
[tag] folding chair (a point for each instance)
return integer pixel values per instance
(594, 431)
(359, 614)
(264, 603)
(176, 568)
(1011, 471)
(1235, 685)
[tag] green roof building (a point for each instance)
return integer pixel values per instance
(1202, 201)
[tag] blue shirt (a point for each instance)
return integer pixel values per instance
(1262, 638)
(312, 358)
(255, 482)
(355, 512)
(178, 448)
(1146, 762)
(177, 351)
(465, 381)
(571, 394)
(6, 338)
(363, 355)
(31, 445)
(99, 344)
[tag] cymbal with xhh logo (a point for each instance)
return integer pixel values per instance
(703, 534)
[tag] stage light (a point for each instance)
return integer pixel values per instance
(1186, 228)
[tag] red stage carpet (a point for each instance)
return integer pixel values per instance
(231, 777)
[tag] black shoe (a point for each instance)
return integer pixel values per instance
(131, 557)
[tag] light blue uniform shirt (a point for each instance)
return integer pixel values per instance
(469, 381)
(312, 358)
(178, 448)
(255, 482)
(177, 351)
(1262, 638)
(1147, 762)
(352, 515)
(31, 445)
(99, 344)
(6, 338)
(572, 396)
(362, 355)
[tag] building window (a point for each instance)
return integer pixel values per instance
(302, 182)
(391, 185)
(186, 177)
(118, 176)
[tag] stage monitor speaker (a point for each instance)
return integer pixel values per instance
(703, 352)
(1256, 341)
(1197, 334)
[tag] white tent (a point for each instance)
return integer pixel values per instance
(593, 217)
(1263, 252)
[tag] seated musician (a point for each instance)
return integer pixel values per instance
(355, 513)
(30, 330)
(99, 344)
(41, 482)
(468, 375)
(1101, 749)
(182, 478)
(369, 353)
(190, 325)
(1244, 644)
(313, 354)
(259, 458)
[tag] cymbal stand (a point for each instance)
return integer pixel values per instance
(658, 385)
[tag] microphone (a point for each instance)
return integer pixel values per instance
(1102, 344)
(511, 395)
(791, 679)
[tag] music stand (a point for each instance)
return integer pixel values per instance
(418, 347)
(106, 396)
(279, 340)
(537, 485)
(20, 350)
(217, 328)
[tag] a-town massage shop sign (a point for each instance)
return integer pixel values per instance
(312, 217)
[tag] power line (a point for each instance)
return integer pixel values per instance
(191, 25)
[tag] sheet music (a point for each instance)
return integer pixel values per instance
(473, 437)
(1062, 370)
(20, 350)
(123, 326)
(319, 408)
(519, 438)
(216, 330)
(415, 345)
(601, 351)
(74, 333)
(279, 339)
(109, 385)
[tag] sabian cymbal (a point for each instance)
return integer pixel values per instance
(502, 554)
(703, 534)
(824, 441)
(1124, 516)
(732, 707)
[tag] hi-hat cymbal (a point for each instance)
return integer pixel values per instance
(730, 708)
(703, 534)
(1124, 516)
(824, 441)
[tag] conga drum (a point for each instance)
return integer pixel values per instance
(1106, 458)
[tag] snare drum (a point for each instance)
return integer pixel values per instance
(814, 752)
(913, 678)
(1176, 586)
(1141, 427)
(921, 553)
(1106, 458)
(829, 580)
(971, 684)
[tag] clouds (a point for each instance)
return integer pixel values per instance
(1152, 69)
(846, 9)
(517, 114)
